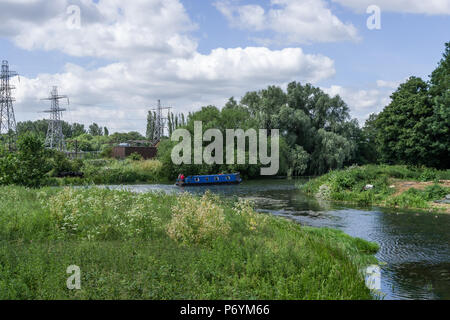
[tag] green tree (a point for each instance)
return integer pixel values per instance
(331, 152)
(29, 165)
(39, 128)
(95, 130)
(439, 123)
(402, 134)
(367, 144)
(151, 124)
(415, 127)
(78, 129)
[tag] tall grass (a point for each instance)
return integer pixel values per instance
(103, 171)
(136, 246)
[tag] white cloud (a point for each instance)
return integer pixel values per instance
(362, 103)
(293, 21)
(153, 57)
(118, 95)
(388, 84)
(109, 29)
(241, 65)
(430, 7)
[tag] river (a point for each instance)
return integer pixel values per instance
(414, 247)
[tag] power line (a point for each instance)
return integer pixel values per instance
(7, 117)
(158, 130)
(55, 136)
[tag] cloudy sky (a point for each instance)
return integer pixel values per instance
(121, 56)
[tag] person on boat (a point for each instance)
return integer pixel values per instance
(182, 177)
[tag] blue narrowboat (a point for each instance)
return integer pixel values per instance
(213, 179)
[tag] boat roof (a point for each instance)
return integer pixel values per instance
(218, 174)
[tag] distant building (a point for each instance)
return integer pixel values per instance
(122, 152)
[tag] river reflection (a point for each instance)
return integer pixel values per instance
(415, 247)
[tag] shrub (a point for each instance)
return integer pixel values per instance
(28, 166)
(428, 174)
(197, 221)
(135, 157)
(59, 163)
(324, 192)
(348, 185)
(97, 163)
(245, 210)
(414, 198)
(435, 192)
(100, 214)
(107, 152)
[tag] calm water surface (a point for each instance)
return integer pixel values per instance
(415, 247)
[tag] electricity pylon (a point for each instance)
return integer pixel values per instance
(55, 136)
(159, 123)
(7, 117)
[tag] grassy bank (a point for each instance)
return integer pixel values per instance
(393, 186)
(155, 246)
(111, 171)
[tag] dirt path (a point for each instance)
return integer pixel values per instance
(402, 186)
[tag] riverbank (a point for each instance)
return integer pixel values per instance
(155, 246)
(388, 186)
(112, 171)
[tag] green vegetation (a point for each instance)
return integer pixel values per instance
(317, 133)
(28, 166)
(34, 166)
(122, 172)
(77, 137)
(349, 185)
(414, 128)
(155, 246)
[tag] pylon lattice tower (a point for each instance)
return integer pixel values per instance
(160, 122)
(7, 118)
(55, 136)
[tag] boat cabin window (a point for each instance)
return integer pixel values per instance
(228, 178)
(216, 178)
(197, 180)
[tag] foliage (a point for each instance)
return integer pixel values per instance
(135, 157)
(316, 131)
(40, 128)
(60, 163)
(95, 130)
(197, 221)
(123, 172)
(348, 185)
(97, 214)
(119, 240)
(414, 128)
(414, 198)
(28, 166)
(107, 152)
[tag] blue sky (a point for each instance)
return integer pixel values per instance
(123, 57)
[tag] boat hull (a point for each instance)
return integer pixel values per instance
(210, 180)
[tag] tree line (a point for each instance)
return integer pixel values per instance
(40, 128)
(318, 134)
(414, 129)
